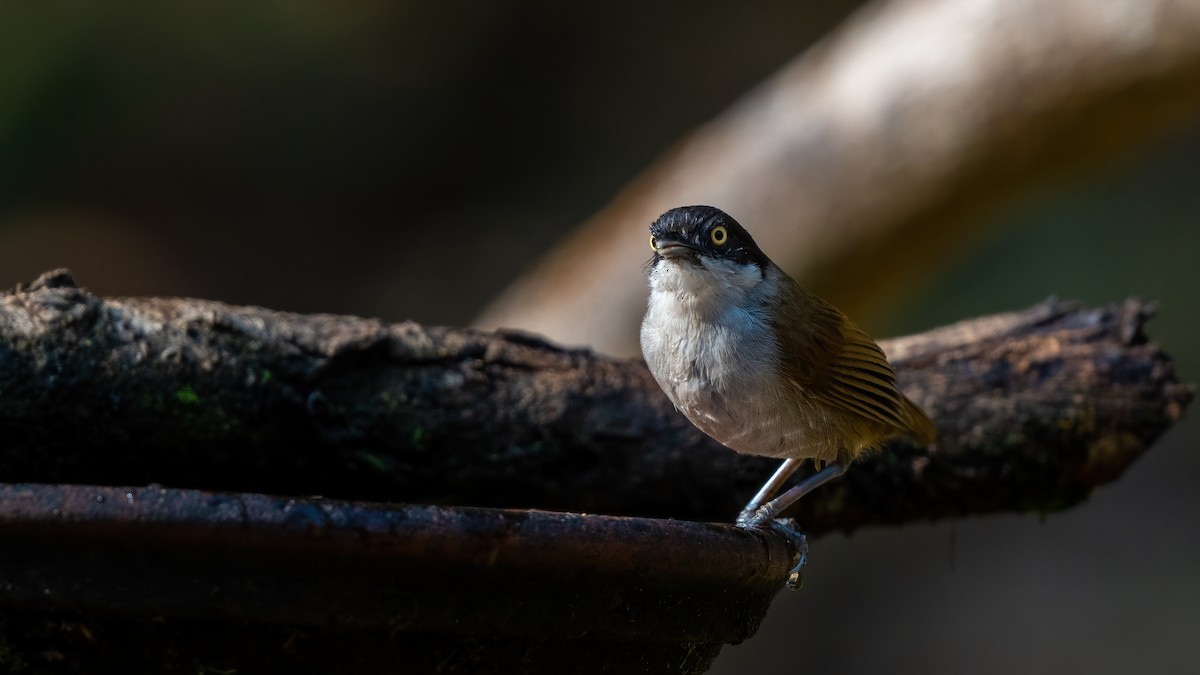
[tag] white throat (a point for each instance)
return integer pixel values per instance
(706, 289)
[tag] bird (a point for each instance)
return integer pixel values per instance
(763, 365)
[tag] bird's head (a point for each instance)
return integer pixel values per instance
(701, 250)
(691, 234)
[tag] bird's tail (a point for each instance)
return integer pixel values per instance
(920, 428)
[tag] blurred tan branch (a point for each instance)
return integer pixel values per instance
(860, 162)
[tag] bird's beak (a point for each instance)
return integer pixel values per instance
(671, 248)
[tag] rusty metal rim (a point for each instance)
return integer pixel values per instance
(159, 551)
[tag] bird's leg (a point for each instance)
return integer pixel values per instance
(768, 490)
(757, 514)
(767, 512)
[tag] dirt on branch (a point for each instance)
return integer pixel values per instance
(1034, 408)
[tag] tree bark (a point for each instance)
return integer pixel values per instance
(1034, 409)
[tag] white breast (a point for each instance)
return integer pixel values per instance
(708, 341)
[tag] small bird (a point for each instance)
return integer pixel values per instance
(760, 363)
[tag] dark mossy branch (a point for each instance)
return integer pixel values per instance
(1035, 409)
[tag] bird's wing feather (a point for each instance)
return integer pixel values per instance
(834, 361)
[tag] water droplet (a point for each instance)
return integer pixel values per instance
(129, 497)
(99, 499)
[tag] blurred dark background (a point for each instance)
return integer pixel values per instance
(392, 159)
(407, 160)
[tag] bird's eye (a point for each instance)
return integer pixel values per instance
(653, 244)
(719, 235)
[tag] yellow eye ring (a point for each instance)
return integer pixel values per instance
(719, 235)
(653, 244)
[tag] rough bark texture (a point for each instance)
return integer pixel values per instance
(870, 155)
(1035, 408)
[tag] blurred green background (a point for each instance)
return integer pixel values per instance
(407, 160)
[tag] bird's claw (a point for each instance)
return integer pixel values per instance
(748, 519)
(765, 516)
(799, 542)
